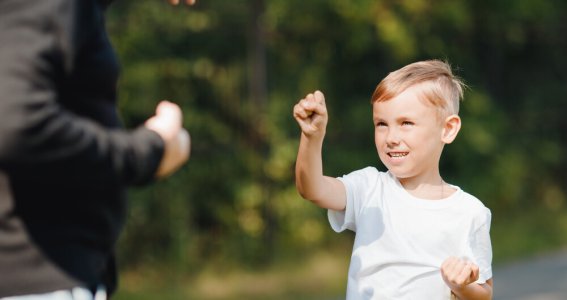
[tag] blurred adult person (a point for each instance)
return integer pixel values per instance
(65, 160)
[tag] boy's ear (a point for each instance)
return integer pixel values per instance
(451, 127)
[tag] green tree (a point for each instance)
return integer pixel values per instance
(238, 67)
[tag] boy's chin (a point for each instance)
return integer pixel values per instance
(400, 174)
(397, 174)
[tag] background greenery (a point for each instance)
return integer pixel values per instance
(230, 224)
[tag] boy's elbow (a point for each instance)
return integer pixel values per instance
(304, 193)
(301, 190)
(299, 186)
(310, 196)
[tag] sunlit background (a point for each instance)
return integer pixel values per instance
(230, 224)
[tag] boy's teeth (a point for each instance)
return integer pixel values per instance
(398, 154)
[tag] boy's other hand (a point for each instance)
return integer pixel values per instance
(167, 122)
(458, 272)
(311, 114)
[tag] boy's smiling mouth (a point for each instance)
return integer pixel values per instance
(397, 154)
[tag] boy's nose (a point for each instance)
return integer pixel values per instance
(392, 138)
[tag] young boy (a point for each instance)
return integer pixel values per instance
(417, 237)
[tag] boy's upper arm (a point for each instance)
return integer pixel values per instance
(334, 196)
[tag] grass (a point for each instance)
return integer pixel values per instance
(322, 274)
(525, 235)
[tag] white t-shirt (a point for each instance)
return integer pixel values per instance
(401, 241)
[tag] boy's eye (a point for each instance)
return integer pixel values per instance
(381, 124)
(407, 123)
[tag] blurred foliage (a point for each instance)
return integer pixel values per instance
(238, 67)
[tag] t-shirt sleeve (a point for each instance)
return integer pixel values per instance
(356, 184)
(482, 247)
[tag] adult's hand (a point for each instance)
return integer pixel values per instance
(188, 2)
(167, 122)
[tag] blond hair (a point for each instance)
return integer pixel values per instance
(437, 83)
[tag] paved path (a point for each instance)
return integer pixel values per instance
(540, 278)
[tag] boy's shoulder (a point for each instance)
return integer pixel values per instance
(472, 200)
(369, 175)
(474, 207)
(367, 171)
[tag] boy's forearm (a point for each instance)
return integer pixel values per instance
(474, 291)
(324, 191)
(309, 167)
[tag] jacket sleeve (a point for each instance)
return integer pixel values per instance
(39, 138)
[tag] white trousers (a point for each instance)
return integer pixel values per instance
(77, 293)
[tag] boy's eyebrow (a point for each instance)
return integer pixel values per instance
(405, 117)
(376, 120)
(398, 119)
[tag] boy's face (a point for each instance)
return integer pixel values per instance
(408, 135)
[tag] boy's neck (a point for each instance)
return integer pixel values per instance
(431, 187)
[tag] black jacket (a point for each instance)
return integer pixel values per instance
(64, 159)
